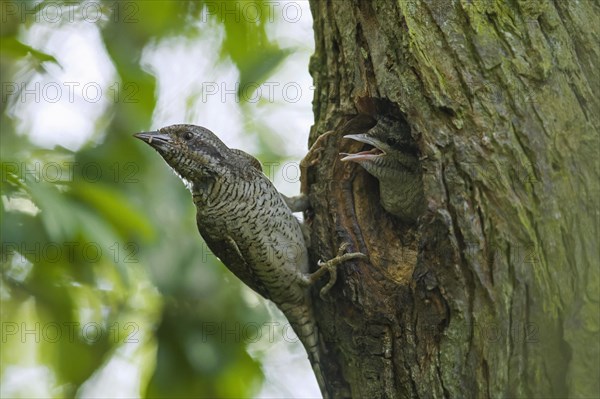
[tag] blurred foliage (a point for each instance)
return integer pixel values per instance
(107, 267)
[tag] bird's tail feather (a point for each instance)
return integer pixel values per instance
(302, 321)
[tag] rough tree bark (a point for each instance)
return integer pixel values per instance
(495, 291)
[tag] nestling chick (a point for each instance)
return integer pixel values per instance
(399, 175)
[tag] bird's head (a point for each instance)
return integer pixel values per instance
(382, 160)
(374, 158)
(192, 151)
(379, 149)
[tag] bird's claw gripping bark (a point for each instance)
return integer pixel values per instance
(331, 267)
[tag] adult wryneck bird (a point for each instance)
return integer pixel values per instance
(247, 223)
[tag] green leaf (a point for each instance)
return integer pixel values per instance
(115, 208)
(12, 48)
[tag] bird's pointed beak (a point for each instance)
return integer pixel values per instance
(377, 150)
(365, 138)
(155, 139)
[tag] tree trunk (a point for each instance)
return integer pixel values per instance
(495, 291)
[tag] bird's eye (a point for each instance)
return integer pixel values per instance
(188, 136)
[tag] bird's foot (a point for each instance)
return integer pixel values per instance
(331, 267)
(297, 203)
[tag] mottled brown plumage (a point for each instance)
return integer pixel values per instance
(245, 222)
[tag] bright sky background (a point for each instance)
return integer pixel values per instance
(72, 98)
